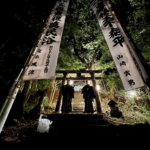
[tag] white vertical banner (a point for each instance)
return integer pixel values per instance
(129, 67)
(43, 65)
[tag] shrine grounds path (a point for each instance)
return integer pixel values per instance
(78, 131)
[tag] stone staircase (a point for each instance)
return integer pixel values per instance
(78, 103)
(83, 131)
(65, 122)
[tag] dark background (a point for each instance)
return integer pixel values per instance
(21, 23)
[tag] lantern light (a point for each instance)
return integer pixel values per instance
(97, 87)
(131, 93)
(71, 82)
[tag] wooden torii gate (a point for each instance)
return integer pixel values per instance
(93, 78)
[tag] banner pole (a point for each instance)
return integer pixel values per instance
(9, 101)
(16, 80)
(13, 92)
(10, 92)
(16, 85)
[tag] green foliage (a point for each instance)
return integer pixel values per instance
(28, 107)
(137, 23)
(68, 61)
(142, 94)
(45, 103)
(144, 109)
(83, 44)
(40, 84)
(83, 37)
(112, 80)
(122, 92)
(120, 103)
(132, 101)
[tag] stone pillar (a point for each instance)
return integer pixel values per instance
(98, 104)
(58, 106)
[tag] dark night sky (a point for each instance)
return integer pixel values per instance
(21, 21)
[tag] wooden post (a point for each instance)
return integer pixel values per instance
(52, 94)
(50, 99)
(98, 104)
(58, 106)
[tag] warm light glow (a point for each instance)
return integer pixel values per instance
(97, 87)
(89, 82)
(131, 93)
(71, 82)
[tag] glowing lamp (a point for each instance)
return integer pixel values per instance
(97, 87)
(71, 82)
(131, 93)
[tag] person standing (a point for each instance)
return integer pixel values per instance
(88, 95)
(68, 94)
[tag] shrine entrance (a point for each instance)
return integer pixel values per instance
(77, 103)
(78, 78)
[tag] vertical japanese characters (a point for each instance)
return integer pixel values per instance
(48, 48)
(122, 50)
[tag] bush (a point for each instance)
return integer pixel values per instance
(28, 107)
(45, 103)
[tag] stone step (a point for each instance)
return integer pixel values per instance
(76, 112)
(78, 105)
(77, 122)
(77, 102)
(59, 126)
(77, 109)
(76, 117)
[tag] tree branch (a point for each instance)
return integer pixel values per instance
(76, 51)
